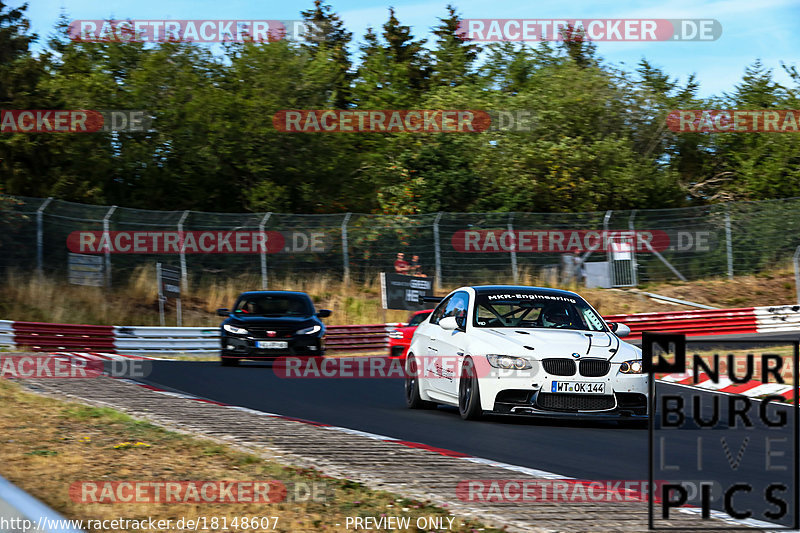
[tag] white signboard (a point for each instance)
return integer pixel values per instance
(86, 270)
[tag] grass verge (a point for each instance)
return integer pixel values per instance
(46, 445)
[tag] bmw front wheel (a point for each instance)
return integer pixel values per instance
(469, 396)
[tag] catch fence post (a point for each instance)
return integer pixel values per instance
(437, 251)
(729, 241)
(184, 274)
(345, 252)
(607, 245)
(513, 248)
(796, 261)
(264, 252)
(635, 265)
(107, 237)
(40, 235)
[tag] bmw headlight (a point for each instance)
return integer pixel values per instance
(631, 367)
(309, 331)
(508, 362)
(395, 334)
(233, 329)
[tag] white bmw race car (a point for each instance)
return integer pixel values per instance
(524, 351)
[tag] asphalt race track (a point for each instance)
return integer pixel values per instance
(601, 450)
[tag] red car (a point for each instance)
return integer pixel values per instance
(400, 339)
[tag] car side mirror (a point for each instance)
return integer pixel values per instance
(620, 329)
(324, 313)
(224, 311)
(448, 323)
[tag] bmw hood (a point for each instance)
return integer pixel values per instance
(540, 343)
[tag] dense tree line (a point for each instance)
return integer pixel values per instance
(597, 142)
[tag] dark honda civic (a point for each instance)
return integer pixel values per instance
(268, 324)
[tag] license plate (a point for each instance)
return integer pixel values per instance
(274, 345)
(579, 387)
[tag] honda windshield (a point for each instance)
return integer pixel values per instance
(274, 305)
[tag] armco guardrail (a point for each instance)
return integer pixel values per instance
(153, 340)
(44, 337)
(7, 334)
(358, 338)
(29, 514)
(691, 323)
(745, 320)
(144, 340)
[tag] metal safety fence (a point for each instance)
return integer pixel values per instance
(607, 248)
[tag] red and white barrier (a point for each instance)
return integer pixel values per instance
(707, 322)
(692, 323)
(150, 340)
(777, 319)
(753, 389)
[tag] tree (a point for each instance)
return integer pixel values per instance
(454, 55)
(328, 40)
(394, 72)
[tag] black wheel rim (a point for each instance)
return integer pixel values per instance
(465, 387)
(411, 380)
(410, 383)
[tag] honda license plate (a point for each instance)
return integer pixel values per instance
(272, 345)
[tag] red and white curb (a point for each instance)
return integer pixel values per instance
(751, 389)
(96, 356)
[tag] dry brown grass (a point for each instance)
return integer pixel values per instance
(46, 445)
(25, 296)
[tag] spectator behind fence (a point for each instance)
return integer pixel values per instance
(401, 265)
(416, 269)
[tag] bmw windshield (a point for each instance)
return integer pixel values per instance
(532, 309)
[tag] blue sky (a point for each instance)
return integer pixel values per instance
(751, 29)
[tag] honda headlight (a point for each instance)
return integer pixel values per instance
(395, 334)
(631, 367)
(508, 362)
(309, 331)
(233, 329)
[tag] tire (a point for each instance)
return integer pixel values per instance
(227, 361)
(469, 395)
(413, 399)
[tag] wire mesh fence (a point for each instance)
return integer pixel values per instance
(609, 248)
